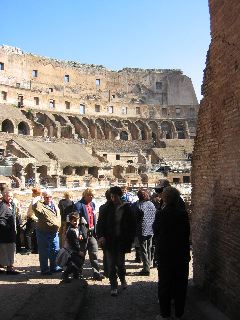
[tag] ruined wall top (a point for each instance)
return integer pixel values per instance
(79, 65)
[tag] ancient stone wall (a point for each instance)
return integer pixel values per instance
(216, 164)
(48, 84)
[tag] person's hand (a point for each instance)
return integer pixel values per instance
(101, 241)
(80, 237)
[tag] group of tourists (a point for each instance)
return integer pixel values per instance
(157, 226)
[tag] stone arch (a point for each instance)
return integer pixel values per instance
(155, 131)
(68, 170)
(180, 129)
(134, 130)
(80, 171)
(99, 132)
(116, 123)
(167, 130)
(7, 126)
(80, 128)
(91, 126)
(60, 119)
(16, 169)
(124, 135)
(23, 128)
(49, 122)
(103, 125)
(93, 171)
(30, 171)
(144, 130)
(43, 170)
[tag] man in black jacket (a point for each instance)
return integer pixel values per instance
(172, 231)
(116, 231)
(7, 232)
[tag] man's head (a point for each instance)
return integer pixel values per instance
(108, 195)
(116, 194)
(163, 183)
(7, 196)
(74, 219)
(143, 195)
(88, 195)
(47, 197)
(170, 196)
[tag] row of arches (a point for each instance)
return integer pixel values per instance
(71, 126)
(9, 126)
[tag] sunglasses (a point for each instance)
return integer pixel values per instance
(159, 190)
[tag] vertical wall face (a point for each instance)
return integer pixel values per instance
(216, 164)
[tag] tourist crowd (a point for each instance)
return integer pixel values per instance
(157, 226)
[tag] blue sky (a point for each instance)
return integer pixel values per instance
(114, 33)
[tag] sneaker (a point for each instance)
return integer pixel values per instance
(114, 292)
(98, 277)
(144, 273)
(124, 285)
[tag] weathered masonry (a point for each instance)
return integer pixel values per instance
(124, 116)
(216, 164)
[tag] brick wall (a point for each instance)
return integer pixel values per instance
(216, 164)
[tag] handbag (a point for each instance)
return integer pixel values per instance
(62, 257)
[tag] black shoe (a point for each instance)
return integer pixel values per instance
(57, 270)
(65, 280)
(12, 272)
(47, 273)
(98, 277)
(144, 273)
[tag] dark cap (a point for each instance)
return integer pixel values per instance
(163, 183)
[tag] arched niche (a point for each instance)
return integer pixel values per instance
(23, 128)
(7, 126)
(124, 135)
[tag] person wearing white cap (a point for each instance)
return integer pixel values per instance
(48, 225)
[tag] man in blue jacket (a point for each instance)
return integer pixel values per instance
(87, 230)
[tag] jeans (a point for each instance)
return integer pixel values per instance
(48, 247)
(116, 267)
(146, 251)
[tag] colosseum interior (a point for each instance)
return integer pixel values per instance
(63, 123)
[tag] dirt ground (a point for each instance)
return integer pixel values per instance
(31, 296)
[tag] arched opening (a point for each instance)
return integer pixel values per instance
(7, 126)
(80, 171)
(166, 130)
(93, 171)
(23, 128)
(143, 135)
(29, 171)
(68, 170)
(130, 169)
(124, 135)
(154, 138)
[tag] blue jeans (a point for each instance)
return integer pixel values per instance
(48, 247)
